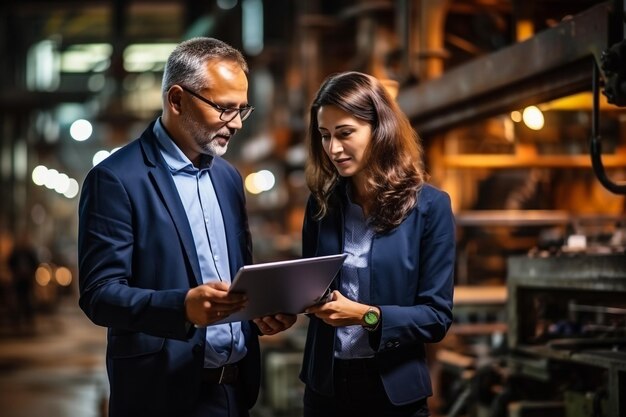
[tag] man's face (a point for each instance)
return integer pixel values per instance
(205, 133)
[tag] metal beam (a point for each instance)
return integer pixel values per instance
(23, 101)
(553, 63)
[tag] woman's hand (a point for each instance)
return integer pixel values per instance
(339, 311)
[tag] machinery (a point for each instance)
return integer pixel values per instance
(565, 350)
(567, 334)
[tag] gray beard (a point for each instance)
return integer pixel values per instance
(199, 133)
(213, 148)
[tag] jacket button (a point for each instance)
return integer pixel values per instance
(197, 348)
(389, 344)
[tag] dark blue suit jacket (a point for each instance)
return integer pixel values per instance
(411, 281)
(137, 260)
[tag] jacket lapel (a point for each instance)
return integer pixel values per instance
(166, 189)
(332, 242)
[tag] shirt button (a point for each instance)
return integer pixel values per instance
(216, 257)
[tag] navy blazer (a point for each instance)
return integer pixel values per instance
(137, 260)
(412, 282)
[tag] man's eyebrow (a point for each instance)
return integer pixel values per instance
(232, 106)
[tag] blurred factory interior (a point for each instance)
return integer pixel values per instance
(520, 107)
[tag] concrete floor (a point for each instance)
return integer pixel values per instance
(56, 369)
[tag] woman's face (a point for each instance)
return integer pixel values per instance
(344, 139)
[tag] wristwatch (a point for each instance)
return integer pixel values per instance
(371, 319)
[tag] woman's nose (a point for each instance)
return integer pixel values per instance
(335, 146)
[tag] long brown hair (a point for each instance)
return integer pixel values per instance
(394, 155)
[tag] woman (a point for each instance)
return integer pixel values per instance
(364, 354)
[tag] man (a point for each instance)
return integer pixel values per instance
(23, 262)
(162, 230)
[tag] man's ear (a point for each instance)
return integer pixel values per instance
(174, 97)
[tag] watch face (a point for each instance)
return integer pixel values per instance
(371, 318)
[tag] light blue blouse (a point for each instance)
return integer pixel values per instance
(353, 341)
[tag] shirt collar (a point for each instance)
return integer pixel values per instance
(175, 159)
(353, 208)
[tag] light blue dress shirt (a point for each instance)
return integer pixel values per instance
(224, 342)
(353, 341)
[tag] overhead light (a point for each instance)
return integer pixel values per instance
(252, 26)
(43, 66)
(226, 4)
(39, 175)
(51, 179)
(55, 180)
(99, 157)
(533, 118)
(72, 189)
(81, 130)
(102, 155)
(141, 57)
(260, 181)
(82, 58)
(63, 276)
(62, 183)
(43, 274)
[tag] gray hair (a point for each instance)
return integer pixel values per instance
(185, 65)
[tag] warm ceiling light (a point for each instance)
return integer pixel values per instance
(516, 116)
(533, 118)
(257, 182)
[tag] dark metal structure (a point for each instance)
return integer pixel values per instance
(567, 329)
(549, 65)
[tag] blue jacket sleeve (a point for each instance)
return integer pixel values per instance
(430, 316)
(106, 244)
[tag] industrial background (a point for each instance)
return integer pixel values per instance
(519, 103)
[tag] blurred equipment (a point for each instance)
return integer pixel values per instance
(284, 390)
(614, 67)
(615, 90)
(567, 331)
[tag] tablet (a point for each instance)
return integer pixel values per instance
(284, 287)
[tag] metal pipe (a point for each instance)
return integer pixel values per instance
(595, 148)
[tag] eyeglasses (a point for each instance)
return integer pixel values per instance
(226, 114)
